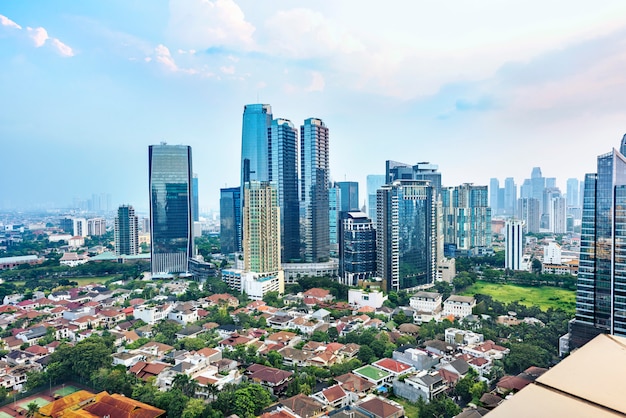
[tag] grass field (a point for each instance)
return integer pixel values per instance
(80, 280)
(410, 409)
(544, 297)
(66, 390)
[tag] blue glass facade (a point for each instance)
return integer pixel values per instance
(374, 182)
(230, 220)
(601, 285)
(196, 205)
(406, 234)
(254, 144)
(314, 184)
(171, 225)
(283, 172)
(357, 248)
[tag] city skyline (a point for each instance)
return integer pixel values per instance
(89, 86)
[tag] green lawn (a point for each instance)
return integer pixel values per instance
(544, 297)
(410, 409)
(80, 280)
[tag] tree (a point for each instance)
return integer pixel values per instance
(477, 390)
(320, 336)
(194, 408)
(366, 354)
(524, 355)
(333, 334)
(31, 409)
(185, 384)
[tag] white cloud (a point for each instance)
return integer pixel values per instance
(5, 21)
(38, 35)
(203, 24)
(317, 82)
(164, 57)
(228, 69)
(62, 48)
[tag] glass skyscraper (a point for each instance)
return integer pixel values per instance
(374, 182)
(230, 220)
(406, 230)
(314, 184)
(171, 211)
(601, 285)
(283, 172)
(349, 196)
(254, 144)
(357, 248)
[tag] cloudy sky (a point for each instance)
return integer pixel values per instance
(484, 88)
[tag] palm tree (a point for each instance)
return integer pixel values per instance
(212, 389)
(186, 384)
(32, 409)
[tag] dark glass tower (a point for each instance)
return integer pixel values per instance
(283, 172)
(349, 196)
(601, 286)
(314, 184)
(171, 213)
(406, 231)
(126, 231)
(196, 205)
(230, 220)
(357, 248)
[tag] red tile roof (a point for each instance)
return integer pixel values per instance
(393, 365)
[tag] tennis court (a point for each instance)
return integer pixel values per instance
(39, 401)
(5, 415)
(66, 390)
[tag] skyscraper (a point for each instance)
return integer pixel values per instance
(406, 234)
(601, 285)
(349, 196)
(194, 193)
(357, 248)
(572, 192)
(513, 244)
(466, 217)
(126, 231)
(494, 190)
(171, 211)
(529, 211)
(374, 182)
(334, 211)
(283, 172)
(230, 220)
(261, 228)
(254, 143)
(510, 196)
(314, 183)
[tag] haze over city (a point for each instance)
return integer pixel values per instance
(483, 90)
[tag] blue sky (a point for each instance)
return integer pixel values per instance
(481, 88)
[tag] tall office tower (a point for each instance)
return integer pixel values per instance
(126, 231)
(314, 183)
(601, 286)
(374, 182)
(80, 227)
(406, 234)
(494, 190)
(549, 193)
(558, 215)
(349, 196)
(581, 193)
(96, 227)
(171, 211)
(230, 220)
(526, 189)
(145, 225)
(261, 228)
(550, 182)
(529, 211)
(334, 210)
(510, 196)
(572, 193)
(514, 248)
(467, 217)
(67, 225)
(357, 248)
(421, 171)
(196, 205)
(283, 171)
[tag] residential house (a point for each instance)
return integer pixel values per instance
(426, 385)
(377, 407)
(458, 306)
(418, 358)
(275, 380)
(303, 406)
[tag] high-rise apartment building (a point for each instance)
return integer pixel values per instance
(283, 172)
(357, 248)
(126, 231)
(261, 228)
(80, 227)
(406, 242)
(96, 227)
(421, 171)
(374, 182)
(514, 244)
(601, 285)
(314, 184)
(171, 210)
(466, 217)
(334, 211)
(230, 220)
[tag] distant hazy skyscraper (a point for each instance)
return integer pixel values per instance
(171, 212)
(126, 231)
(572, 192)
(283, 172)
(349, 196)
(314, 183)
(230, 220)
(374, 182)
(510, 196)
(513, 244)
(494, 190)
(406, 234)
(529, 211)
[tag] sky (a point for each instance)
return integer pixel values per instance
(484, 89)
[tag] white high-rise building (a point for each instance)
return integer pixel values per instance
(514, 244)
(80, 227)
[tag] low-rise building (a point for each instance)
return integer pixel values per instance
(458, 306)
